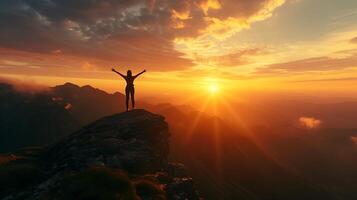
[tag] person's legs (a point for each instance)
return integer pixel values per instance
(127, 91)
(132, 93)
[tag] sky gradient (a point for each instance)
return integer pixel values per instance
(291, 45)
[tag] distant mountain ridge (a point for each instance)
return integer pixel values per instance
(40, 118)
(87, 103)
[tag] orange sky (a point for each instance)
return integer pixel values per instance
(186, 46)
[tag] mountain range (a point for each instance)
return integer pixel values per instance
(275, 157)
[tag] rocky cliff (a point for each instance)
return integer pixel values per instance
(123, 156)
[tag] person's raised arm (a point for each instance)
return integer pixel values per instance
(122, 75)
(140, 73)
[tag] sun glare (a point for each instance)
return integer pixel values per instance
(213, 88)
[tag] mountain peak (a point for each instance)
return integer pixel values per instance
(135, 141)
(68, 84)
(133, 116)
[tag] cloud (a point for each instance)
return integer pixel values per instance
(68, 106)
(21, 85)
(327, 80)
(240, 57)
(315, 64)
(135, 32)
(310, 122)
(354, 40)
(232, 16)
(354, 139)
(87, 66)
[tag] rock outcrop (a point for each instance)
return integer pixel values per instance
(134, 142)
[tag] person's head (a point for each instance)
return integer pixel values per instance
(128, 73)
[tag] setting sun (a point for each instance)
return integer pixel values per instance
(213, 88)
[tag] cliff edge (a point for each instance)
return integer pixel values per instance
(123, 156)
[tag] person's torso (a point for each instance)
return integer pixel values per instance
(129, 81)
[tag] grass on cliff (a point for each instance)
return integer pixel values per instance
(149, 190)
(16, 176)
(19, 170)
(107, 184)
(97, 183)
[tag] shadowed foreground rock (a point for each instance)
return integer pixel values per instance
(129, 149)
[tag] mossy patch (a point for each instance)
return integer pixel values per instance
(16, 176)
(97, 183)
(149, 190)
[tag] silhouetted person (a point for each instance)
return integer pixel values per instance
(129, 89)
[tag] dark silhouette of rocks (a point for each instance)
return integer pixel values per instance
(134, 142)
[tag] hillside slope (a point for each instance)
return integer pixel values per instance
(123, 156)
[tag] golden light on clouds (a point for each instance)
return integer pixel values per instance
(310, 122)
(210, 4)
(178, 19)
(267, 10)
(354, 139)
(224, 28)
(218, 30)
(221, 29)
(181, 15)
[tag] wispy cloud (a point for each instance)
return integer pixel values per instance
(237, 58)
(314, 64)
(354, 40)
